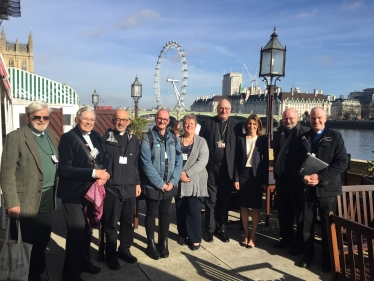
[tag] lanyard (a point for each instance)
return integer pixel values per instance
(49, 142)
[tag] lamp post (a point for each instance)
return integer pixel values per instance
(95, 99)
(272, 64)
(136, 93)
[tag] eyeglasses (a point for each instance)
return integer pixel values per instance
(88, 119)
(285, 119)
(37, 117)
(121, 120)
(225, 108)
(162, 119)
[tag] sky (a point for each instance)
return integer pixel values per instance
(103, 45)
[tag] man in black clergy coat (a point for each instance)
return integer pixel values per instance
(323, 187)
(289, 189)
(220, 134)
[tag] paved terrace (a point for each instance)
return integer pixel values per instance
(213, 261)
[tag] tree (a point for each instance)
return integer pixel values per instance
(139, 127)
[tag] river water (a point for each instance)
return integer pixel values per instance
(359, 143)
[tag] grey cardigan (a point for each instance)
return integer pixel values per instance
(195, 169)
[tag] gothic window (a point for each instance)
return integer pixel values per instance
(24, 66)
(11, 63)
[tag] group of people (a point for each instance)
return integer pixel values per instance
(164, 165)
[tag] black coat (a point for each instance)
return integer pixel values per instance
(74, 168)
(209, 132)
(276, 145)
(331, 150)
(125, 177)
(260, 158)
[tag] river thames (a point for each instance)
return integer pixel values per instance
(359, 143)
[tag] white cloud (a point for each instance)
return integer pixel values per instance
(96, 33)
(306, 15)
(325, 60)
(352, 5)
(139, 17)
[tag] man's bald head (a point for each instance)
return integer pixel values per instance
(289, 119)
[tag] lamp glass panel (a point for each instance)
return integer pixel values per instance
(265, 63)
(278, 60)
(95, 98)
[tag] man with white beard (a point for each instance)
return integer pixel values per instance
(28, 182)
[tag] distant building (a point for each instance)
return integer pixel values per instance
(331, 97)
(257, 104)
(18, 55)
(231, 84)
(365, 96)
(346, 109)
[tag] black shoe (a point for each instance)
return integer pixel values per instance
(194, 247)
(37, 278)
(113, 264)
(152, 250)
(129, 258)
(282, 244)
(72, 278)
(326, 266)
(163, 247)
(222, 235)
(305, 261)
(208, 237)
(296, 250)
(182, 242)
(91, 268)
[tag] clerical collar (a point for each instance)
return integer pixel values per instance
(319, 132)
(38, 134)
(84, 133)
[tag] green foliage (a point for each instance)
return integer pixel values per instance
(139, 127)
(370, 167)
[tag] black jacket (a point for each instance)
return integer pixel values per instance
(75, 169)
(125, 177)
(331, 150)
(260, 158)
(276, 145)
(208, 132)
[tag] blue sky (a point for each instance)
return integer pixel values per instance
(103, 45)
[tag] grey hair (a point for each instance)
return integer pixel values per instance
(191, 116)
(317, 107)
(297, 115)
(162, 109)
(83, 109)
(37, 106)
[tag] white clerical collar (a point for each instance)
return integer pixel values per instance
(38, 134)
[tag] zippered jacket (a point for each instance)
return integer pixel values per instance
(125, 177)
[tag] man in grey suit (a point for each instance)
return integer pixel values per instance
(28, 178)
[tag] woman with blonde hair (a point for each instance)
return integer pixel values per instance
(251, 174)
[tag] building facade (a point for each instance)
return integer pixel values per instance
(18, 55)
(257, 104)
(345, 109)
(365, 96)
(231, 84)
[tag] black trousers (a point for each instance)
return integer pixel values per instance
(290, 209)
(217, 205)
(117, 210)
(78, 240)
(37, 231)
(188, 211)
(154, 208)
(324, 204)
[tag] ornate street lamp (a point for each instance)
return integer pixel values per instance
(136, 93)
(272, 64)
(95, 99)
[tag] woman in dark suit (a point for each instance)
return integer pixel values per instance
(251, 174)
